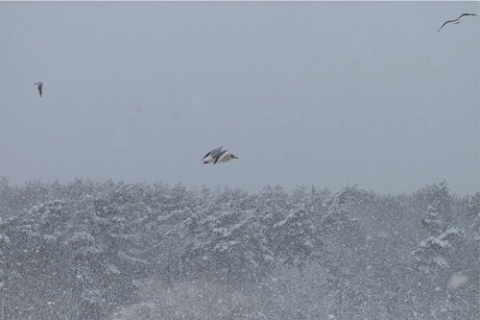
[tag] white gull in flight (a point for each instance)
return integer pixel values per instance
(218, 155)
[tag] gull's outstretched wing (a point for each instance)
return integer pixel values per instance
(219, 156)
(443, 25)
(214, 152)
(466, 14)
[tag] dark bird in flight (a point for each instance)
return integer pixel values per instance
(39, 87)
(456, 21)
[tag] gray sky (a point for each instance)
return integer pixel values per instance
(328, 94)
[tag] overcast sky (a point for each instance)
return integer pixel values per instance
(328, 94)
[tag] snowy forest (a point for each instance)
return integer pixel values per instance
(116, 251)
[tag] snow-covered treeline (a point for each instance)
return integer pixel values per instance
(84, 250)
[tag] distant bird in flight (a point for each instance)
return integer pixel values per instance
(456, 21)
(218, 155)
(39, 87)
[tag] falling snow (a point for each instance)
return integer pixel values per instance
(135, 251)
